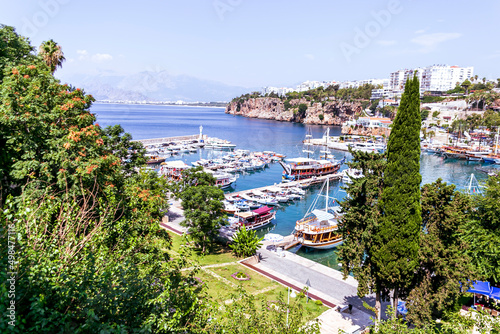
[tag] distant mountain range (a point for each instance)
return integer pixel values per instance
(154, 87)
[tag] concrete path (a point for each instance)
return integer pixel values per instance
(174, 216)
(324, 283)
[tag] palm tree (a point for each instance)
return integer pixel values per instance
(52, 54)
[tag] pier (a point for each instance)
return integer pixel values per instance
(158, 141)
(299, 183)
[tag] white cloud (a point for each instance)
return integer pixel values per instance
(82, 54)
(100, 57)
(97, 58)
(385, 42)
(420, 31)
(429, 42)
(309, 56)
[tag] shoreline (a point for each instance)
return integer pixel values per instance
(157, 104)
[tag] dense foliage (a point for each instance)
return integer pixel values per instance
(245, 316)
(442, 261)
(88, 255)
(360, 221)
(203, 208)
(481, 232)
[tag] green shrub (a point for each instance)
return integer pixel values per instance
(318, 302)
(245, 243)
(321, 117)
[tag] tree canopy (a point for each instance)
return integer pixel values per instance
(360, 220)
(89, 254)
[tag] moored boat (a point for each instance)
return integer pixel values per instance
(254, 219)
(154, 159)
(304, 168)
(319, 227)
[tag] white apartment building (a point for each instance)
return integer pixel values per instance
(443, 77)
(277, 90)
(432, 78)
(386, 93)
(398, 79)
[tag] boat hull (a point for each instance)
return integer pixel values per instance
(323, 245)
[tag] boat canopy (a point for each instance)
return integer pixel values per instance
(244, 215)
(301, 160)
(322, 215)
(262, 210)
(175, 164)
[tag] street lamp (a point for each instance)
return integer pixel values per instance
(293, 295)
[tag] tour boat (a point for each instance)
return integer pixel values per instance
(304, 168)
(254, 219)
(224, 180)
(173, 169)
(319, 227)
(452, 152)
(155, 160)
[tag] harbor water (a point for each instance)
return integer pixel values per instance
(152, 121)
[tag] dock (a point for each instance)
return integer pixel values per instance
(299, 183)
(158, 141)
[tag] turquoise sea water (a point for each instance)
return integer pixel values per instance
(149, 121)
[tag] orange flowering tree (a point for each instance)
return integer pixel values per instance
(90, 256)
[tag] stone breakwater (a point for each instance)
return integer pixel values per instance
(325, 113)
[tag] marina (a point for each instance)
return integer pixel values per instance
(258, 135)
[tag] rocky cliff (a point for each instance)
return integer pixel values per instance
(327, 112)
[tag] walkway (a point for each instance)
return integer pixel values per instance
(324, 283)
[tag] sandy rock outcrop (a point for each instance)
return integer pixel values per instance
(326, 113)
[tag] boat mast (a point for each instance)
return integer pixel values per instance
(327, 189)
(326, 142)
(496, 145)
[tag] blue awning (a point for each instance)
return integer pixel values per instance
(481, 287)
(402, 307)
(495, 293)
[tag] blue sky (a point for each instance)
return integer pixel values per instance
(254, 43)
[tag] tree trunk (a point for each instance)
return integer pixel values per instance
(378, 307)
(395, 303)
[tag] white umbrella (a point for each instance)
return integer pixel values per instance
(273, 237)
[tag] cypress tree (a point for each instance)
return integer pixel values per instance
(359, 222)
(397, 237)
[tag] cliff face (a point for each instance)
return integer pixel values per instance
(333, 112)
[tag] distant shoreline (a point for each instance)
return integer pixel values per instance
(197, 105)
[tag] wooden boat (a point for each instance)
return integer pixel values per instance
(304, 168)
(452, 152)
(154, 159)
(254, 219)
(319, 227)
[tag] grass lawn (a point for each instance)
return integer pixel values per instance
(256, 283)
(220, 255)
(221, 291)
(311, 309)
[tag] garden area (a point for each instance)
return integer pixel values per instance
(222, 278)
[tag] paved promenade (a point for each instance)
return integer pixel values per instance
(297, 272)
(325, 283)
